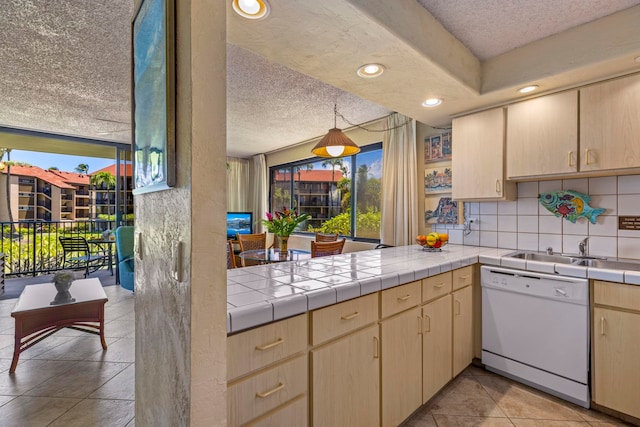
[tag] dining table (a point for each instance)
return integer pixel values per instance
(270, 256)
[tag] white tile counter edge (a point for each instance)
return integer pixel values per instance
(366, 272)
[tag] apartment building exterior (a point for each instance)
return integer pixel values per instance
(103, 196)
(51, 195)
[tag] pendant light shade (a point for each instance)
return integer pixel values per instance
(335, 143)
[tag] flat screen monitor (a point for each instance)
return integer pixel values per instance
(239, 222)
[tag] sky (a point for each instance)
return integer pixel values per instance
(63, 162)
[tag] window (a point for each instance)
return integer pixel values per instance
(330, 190)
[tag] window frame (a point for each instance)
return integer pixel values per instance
(352, 176)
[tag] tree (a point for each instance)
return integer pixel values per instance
(53, 168)
(333, 163)
(103, 179)
(82, 169)
(7, 164)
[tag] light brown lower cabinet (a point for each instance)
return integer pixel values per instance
(616, 347)
(346, 381)
(462, 329)
(294, 414)
(436, 346)
(401, 366)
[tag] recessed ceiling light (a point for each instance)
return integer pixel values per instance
(371, 70)
(432, 102)
(251, 9)
(528, 89)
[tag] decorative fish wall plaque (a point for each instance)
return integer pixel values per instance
(570, 205)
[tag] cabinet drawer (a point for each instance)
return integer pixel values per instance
(259, 347)
(462, 277)
(436, 286)
(258, 394)
(617, 295)
(400, 298)
(339, 319)
(294, 414)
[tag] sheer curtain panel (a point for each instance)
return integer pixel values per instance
(260, 191)
(238, 185)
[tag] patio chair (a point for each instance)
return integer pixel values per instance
(124, 250)
(78, 256)
(231, 257)
(326, 237)
(250, 242)
(327, 248)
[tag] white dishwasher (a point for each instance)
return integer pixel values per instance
(535, 330)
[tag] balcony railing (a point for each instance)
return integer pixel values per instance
(32, 247)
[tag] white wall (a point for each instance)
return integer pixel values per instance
(524, 224)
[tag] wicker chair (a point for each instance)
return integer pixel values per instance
(231, 257)
(251, 242)
(327, 248)
(326, 237)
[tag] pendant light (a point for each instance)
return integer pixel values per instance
(335, 143)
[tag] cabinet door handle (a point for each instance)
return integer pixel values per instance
(439, 285)
(404, 298)
(571, 159)
(457, 308)
(350, 316)
(419, 325)
(426, 316)
(376, 348)
(602, 325)
(270, 345)
(498, 186)
(268, 393)
(587, 157)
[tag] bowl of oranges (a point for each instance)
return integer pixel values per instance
(432, 242)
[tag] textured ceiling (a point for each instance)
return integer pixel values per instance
(492, 27)
(64, 65)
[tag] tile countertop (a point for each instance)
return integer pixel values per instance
(262, 294)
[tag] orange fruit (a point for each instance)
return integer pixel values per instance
(421, 239)
(444, 237)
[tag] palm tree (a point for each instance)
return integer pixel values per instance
(105, 180)
(333, 163)
(82, 168)
(7, 164)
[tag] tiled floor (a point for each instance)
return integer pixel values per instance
(67, 379)
(480, 398)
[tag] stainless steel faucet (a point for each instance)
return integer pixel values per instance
(583, 247)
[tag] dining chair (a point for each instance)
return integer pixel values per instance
(326, 237)
(327, 248)
(251, 242)
(231, 257)
(77, 255)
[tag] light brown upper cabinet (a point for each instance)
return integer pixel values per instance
(478, 159)
(610, 125)
(542, 136)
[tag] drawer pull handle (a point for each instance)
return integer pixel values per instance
(457, 308)
(268, 393)
(404, 298)
(376, 348)
(270, 345)
(602, 325)
(426, 316)
(465, 277)
(350, 316)
(439, 285)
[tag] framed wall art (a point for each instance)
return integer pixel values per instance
(437, 148)
(441, 210)
(437, 180)
(153, 83)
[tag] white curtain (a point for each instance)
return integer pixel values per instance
(260, 191)
(399, 182)
(238, 185)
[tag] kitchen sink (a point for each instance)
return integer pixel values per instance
(586, 261)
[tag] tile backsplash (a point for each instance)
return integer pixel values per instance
(524, 224)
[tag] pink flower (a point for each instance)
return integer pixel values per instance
(269, 216)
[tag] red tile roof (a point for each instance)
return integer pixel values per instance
(73, 177)
(34, 171)
(125, 171)
(323, 175)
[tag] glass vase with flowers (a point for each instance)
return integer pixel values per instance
(282, 224)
